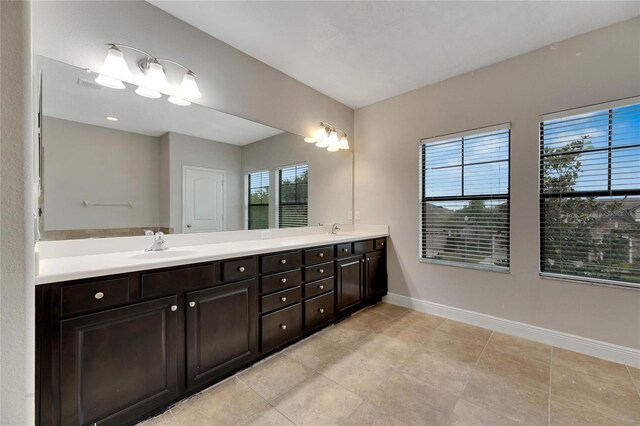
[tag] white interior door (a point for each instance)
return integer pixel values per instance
(203, 199)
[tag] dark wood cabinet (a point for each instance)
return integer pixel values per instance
(349, 282)
(118, 362)
(221, 330)
(375, 275)
(117, 349)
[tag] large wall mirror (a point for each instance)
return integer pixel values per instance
(114, 163)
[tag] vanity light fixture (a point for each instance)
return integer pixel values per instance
(115, 70)
(326, 136)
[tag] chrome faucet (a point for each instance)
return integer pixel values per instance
(335, 228)
(159, 243)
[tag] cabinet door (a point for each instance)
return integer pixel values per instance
(375, 275)
(117, 364)
(222, 331)
(349, 282)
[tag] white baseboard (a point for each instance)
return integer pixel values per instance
(608, 351)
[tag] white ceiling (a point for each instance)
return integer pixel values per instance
(362, 52)
(90, 103)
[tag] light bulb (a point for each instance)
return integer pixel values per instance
(156, 77)
(148, 93)
(189, 87)
(321, 133)
(112, 83)
(178, 101)
(322, 143)
(310, 140)
(333, 138)
(333, 148)
(344, 142)
(114, 64)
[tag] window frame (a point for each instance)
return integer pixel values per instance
(566, 114)
(278, 174)
(248, 198)
(422, 198)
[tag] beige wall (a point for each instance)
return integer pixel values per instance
(17, 305)
(516, 91)
(100, 165)
(330, 175)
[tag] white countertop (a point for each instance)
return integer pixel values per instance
(67, 268)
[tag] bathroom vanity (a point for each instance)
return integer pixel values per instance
(115, 349)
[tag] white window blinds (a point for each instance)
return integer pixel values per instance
(258, 202)
(292, 196)
(590, 194)
(465, 199)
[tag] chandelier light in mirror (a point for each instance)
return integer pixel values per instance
(154, 83)
(326, 136)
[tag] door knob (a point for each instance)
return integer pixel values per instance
(99, 295)
(283, 326)
(174, 308)
(321, 310)
(241, 269)
(321, 271)
(284, 299)
(320, 254)
(192, 304)
(283, 280)
(321, 287)
(283, 261)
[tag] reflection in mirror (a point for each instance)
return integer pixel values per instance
(115, 163)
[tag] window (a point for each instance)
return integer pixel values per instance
(292, 196)
(258, 202)
(465, 199)
(590, 194)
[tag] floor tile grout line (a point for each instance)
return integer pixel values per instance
(267, 401)
(633, 382)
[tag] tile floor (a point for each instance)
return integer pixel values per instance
(391, 366)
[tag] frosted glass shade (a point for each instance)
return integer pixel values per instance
(112, 83)
(115, 66)
(148, 93)
(189, 87)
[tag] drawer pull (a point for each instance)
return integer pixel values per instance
(283, 261)
(344, 250)
(99, 295)
(192, 304)
(174, 308)
(283, 326)
(381, 243)
(284, 299)
(321, 271)
(321, 287)
(283, 280)
(320, 254)
(321, 310)
(241, 269)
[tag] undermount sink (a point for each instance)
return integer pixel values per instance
(166, 254)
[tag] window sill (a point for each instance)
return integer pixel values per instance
(488, 268)
(591, 281)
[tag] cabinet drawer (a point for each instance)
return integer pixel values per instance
(280, 327)
(316, 272)
(93, 295)
(280, 299)
(318, 311)
(344, 250)
(277, 282)
(379, 243)
(164, 283)
(236, 270)
(318, 255)
(360, 247)
(280, 262)
(318, 287)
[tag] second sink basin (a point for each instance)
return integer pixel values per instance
(166, 254)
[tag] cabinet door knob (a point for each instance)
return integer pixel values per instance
(321, 287)
(381, 243)
(321, 310)
(174, 308)
(192, 304)
(283, 261)
(362, 260)
(368, 259)
(283, 326)
(99, 295)
(345, 250)
(241, 269)
(283, 280)
(284, 299)
(320, 254)
(321, 271)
